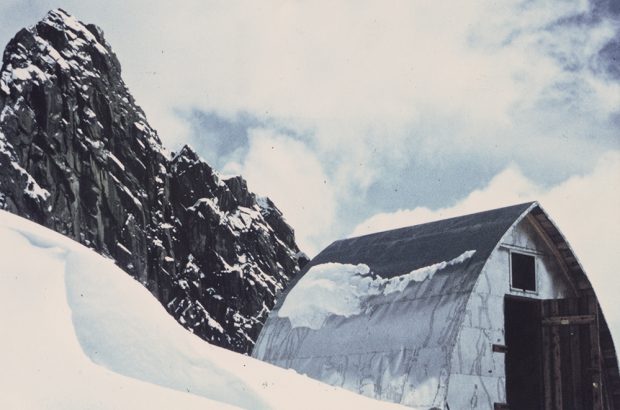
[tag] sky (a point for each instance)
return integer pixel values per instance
(358, 116)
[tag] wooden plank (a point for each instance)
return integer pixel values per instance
(569, 320)
(575, 357)
(586, 359)
(545, 222)
(565, 358)
(595, 365)
(557, 361)
(583, 285)
(547, 359)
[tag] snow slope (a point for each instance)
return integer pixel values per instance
(77, 332)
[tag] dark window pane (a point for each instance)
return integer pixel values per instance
(523, 272)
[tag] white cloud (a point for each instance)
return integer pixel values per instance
(290, 174)
(408, 82)
(372, 87)
(507, 188)
(367, 76)
(585, 207)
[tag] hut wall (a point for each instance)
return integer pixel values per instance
(388, 353)
(477, 376)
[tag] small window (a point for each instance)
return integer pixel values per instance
(523, 271)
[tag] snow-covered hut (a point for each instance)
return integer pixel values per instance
(487, 311)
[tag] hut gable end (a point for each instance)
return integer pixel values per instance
(434, 315)
(477, 372)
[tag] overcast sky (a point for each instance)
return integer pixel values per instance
(361, 116)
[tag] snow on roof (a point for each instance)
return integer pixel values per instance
(344, 289)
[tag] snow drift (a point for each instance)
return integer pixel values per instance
(341, 289)
(80, 333)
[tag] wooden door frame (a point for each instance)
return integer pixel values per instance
(585, 372)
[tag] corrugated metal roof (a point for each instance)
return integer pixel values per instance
(399, 251)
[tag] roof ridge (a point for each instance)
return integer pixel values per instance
(524, 205)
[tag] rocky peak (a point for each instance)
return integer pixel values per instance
(78, 156)
(186, 154)
(60, 46)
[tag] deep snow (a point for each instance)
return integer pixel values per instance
(77, 332)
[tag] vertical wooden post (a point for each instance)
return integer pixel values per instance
(557, 360)
(595, 355)
(575, 354)
(547, 360)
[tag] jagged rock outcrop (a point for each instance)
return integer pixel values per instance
(78, 156)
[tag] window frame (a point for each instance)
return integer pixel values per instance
(533, 255)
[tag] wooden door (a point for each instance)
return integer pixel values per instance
(524, 387)
(572, 371)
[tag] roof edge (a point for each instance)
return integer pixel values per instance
(531, 203)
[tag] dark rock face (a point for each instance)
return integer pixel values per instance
(78, 156)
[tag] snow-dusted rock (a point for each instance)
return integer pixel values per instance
(78, 156)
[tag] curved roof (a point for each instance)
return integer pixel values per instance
(417, 326)
(390, 253)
